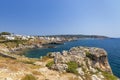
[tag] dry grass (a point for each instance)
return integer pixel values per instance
(36, 73)
(12, 65)
(45, 58)
(15, 66)
(34, 66)
(74, 78)
(3, 65)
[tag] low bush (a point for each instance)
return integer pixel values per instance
(28, 62)
(72, 67)
(36, 73)
(109, 76)
(49, 64)
(29, 77)
(90, 56)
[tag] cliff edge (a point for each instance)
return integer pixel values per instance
(79, 63)
(89, 63)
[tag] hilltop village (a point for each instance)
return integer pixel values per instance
(13, 42)
(10, 42)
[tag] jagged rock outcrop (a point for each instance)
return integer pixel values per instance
(92, 62)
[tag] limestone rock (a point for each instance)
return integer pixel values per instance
(64, 53)
(94, 77)
(51, 54)
(90, 60)
(60, 67)
(8, 78)
(80, 71)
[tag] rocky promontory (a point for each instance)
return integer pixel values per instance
(89, 63)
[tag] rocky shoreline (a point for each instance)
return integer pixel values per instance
(20, 50)
(91, 62)
(79, 63)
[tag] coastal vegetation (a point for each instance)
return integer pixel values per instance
(72, 67)
(90, 56)
(5, 33)
(109, 76)
(2, 38)
(13, 43)
(29, 77)
(49, 64)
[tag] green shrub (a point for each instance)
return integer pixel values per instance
(109, 76)
(29, 77)
(5, 33)
(36, 73)
(28, 62)
(2, 38)
(90, 56)
(72, 66)
(49, 64)
(45, 58)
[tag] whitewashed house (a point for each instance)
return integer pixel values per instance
(24, 38)
(10, 38)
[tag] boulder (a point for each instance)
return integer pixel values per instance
(80, 71)
(60, 67)
(64, 53)
(51, 54)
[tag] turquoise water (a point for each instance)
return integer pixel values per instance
(112, 46)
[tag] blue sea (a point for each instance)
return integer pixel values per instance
(112, 46)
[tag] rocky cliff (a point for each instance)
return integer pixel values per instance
(88, 63)
(79, 63)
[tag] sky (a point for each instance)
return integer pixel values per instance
(52, 17)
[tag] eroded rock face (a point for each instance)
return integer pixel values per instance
(60, 67)
(85, 56)
(90, 61)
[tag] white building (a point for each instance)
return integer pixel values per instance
(24, 38)
(10, 38)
